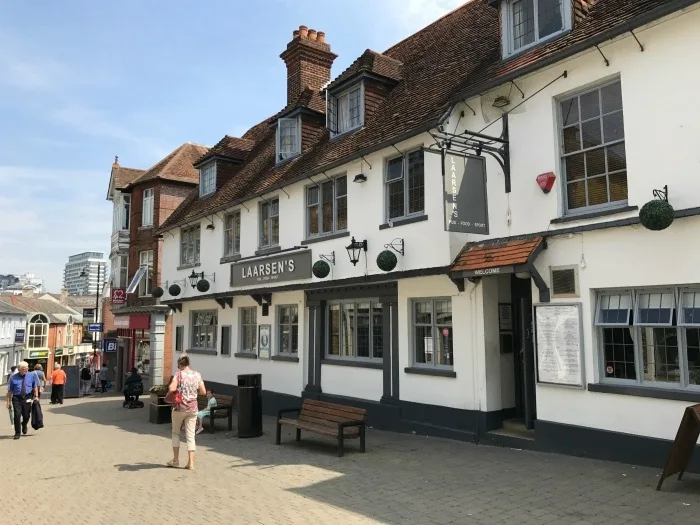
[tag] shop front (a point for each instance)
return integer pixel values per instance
(37, 357)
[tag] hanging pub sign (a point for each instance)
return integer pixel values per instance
(464, 187)
(281, 267)
(118, 296)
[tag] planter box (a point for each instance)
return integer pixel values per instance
(159, 410)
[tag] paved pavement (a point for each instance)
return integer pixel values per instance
(97, 463)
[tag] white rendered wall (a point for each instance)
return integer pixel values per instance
(362, 383)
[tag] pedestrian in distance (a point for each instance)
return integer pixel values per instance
(39, 371)
(13, 371)
(182, 393)
(58, 383)
(85, 380)
(22, 390)
(104, 377)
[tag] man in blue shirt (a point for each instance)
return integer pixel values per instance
(22, 390)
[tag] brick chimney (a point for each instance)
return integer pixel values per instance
(64, 296)
(309, 60)
(28, 291)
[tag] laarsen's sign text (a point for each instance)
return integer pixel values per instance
(281, 267)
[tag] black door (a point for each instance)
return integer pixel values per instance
(524, 359)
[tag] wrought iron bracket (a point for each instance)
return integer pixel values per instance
(223, 302)
(516, 87)
(470, 108)
(641, 47)
(662, 194)
(262, 298)
(607, 62)
(330, 258)
(397, 249)
(363, 158)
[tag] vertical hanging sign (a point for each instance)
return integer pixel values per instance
(464, 187)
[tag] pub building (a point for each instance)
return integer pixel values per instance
(496, 283)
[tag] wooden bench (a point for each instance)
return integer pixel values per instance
(328, 419)
(222, 410)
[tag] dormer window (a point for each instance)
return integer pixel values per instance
(346, 110)
(527, 23)
(207, 179)
(288, 138)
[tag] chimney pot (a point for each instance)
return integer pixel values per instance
(312, 34)
(303, 31)
(321, 36)
(295, 33)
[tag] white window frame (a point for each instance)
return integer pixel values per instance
(268, 203)
(333, 116)
(232, 234)
(69, 333)
(247, 326)
(319, 206)
(373, 301)
(293, 342)
(405, 180)
(435, 328)
(210, 331)
(190, 245)
(508, 37)
(38, 321)
(282, 156)
(147, 211)
(695, 292)
(207, 179)
(146, 261)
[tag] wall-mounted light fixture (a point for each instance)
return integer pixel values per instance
(210, 226)
(354, 250)
(195, 277)
(501, 102)
(360, 177)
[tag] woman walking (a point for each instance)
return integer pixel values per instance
(189, 384)
(39, 371)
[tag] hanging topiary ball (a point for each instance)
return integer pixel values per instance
(386, 261)
(203, 285)
(174, 289)
(157, 292)
(321, 269)
(656, 215)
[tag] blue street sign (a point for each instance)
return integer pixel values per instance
(95, 327)
(19, 336)
(109, 345)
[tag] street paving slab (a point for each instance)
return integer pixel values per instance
(96, 462)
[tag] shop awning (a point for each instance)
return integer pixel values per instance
(495, 258)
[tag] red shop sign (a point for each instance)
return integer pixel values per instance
(118, 296)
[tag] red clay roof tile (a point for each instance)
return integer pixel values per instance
(481, 256)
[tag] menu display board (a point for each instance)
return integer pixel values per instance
(559, 347)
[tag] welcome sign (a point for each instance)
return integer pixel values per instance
(282, 267)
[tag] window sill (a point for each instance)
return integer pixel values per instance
(430, 371)
(692, 396)
(268, 251)
(353, 363)
(402, 222)
(201, 351)
(345, 133)
(326, 237)
(146, 227)
(230, 258)
(246, 355)
(287, 358)
(593, 214)
(188, 266)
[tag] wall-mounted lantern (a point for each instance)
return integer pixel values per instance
(354, 249)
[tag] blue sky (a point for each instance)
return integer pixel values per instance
(83, 81)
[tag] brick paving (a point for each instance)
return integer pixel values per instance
(97, 463)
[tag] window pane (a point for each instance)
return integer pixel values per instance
(655, 308)
(569, 111)
(615, 309)
(334, 329)
(692, 337)
(341, 220)
(612, 97)
(275, 234)
(595, 162)
(572, 138)
(327, 190)
(617, 160)
(424, 344)
(576, 195)
(341, 186)
(394, 169)
(618, 353)
(549, 17)
(590, 105)
(363, 334)
(313, 220)
(597, 190)
(660, 352)
(395, 198)
(445, 355)
(575, 167)
(613, 127)
(590, 132)
(415, 182)
(355, 109)
(377, 330)
(690, 308)
(347, 330)
(523, 23)
(285, 338)
(422, 312)
(618, 186)
(312, 195)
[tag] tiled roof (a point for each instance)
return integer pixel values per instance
(125, 176)
(371, 62)
(229, 147)
(178, 166)
(45, 306)
(6, 308)
(602, 17)
(482, 256)
(436, 61)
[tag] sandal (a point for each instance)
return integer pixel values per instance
(189, 467)
(172, 464)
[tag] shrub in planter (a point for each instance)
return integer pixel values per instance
(203, 285)
(386, 261)
(174, 289)
(159, 411)
(656, 215)
(157, 292)
(321, 269)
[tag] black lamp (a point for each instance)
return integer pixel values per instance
(195, 277)
(361, 177)
(354, 249)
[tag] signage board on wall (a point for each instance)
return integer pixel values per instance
(264, 331)
(109, 345)
(558, 344)
(95, 327)
(38, 354)
(19, 336)
(118, 296)
(275, 268)
(465, 197)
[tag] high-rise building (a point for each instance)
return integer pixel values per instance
(83, 272)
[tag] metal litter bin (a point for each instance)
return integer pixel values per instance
(250, 405)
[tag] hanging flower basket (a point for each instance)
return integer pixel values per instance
(203, 285)
(321, 269)
(656, 215)
(157, 292)
(174, 290)
(386, 261)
